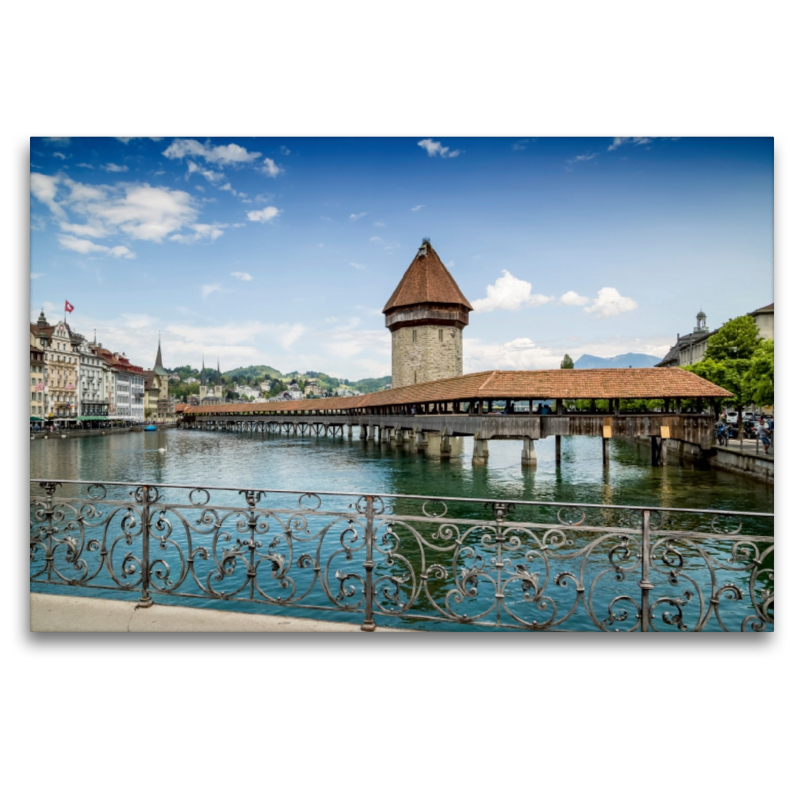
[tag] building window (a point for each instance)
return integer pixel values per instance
(414, 335)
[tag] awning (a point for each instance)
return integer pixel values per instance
(37, 419)
(92, 419)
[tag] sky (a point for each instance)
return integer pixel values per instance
(283, 251)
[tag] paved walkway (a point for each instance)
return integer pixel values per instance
(62, 614)
(735, 446)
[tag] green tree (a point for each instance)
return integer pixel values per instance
(567, 362)
(736, 339)
(728, 361)
(761, 374)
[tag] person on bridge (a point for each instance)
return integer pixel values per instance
(763, 434)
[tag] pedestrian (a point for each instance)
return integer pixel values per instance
(763, 435)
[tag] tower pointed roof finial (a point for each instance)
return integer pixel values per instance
(159, 367)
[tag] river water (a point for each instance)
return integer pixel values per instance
(308, 463)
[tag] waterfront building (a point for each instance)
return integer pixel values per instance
(765, 320)
(129, 388)
(92, 399)
(108, 371)
(156, 390)
(60, 368)
(37, 381)
(426, 314)
(691, 348)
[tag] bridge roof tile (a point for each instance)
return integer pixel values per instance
(553, 384)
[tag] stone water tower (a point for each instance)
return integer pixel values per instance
(426, 314)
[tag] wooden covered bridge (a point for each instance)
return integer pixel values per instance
(526, 405)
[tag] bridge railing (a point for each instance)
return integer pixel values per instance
(430, 562)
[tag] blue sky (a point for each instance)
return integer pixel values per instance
(283, 251)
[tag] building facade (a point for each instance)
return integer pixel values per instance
(61, 364)
(37, 380)
(426, 315)
(92, 401)
(156, 391)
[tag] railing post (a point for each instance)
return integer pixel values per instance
(145, 601)
(645, 583)
(369, 623)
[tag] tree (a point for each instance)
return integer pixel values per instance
(728, 361)
(736, 339)
(761, 374)
(567, 362)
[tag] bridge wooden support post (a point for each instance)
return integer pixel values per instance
(362, 431)
(445, 448)
(420, 440)
(528, 452)
(480, 452)
(386, 433)
(606, 452)
(349, 431)
(399, 438)
(655, 451)
(558, 449)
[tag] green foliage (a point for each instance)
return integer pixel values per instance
(736, 339)
(567, 362)
(730, 374)
(761, 374)
(252, 374)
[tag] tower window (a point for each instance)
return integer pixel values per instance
(414, 335)
(441, 335)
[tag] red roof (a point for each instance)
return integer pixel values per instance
(426, 281)
(649, 383)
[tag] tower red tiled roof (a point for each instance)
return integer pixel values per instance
(426, 281)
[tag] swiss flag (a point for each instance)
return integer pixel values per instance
(68, 307)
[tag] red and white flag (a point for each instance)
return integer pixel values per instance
(68, 307)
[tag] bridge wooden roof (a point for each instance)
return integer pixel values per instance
(649, 383)
(426, 281)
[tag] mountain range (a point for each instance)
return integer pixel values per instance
(625, 360)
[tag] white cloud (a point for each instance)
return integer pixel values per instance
(357, 266)
(44, 188)
(84, 246)
(450, 263)
(585, 157)
(521, 144)
(84, 164)
(265, 215)
(60, 155)
(375, 239)
(620, 140)
(114, 168)
(379, 224)
(271, 168)
(94, 231)
(609, 302)
(35, 275)
(209, 174)
(229, 154)
(200, 231)
(509, 293)
(522, 353)
(354, 217)
(209, 288)
(228, 188)
(437, 149)
(291, 335)
(242, 276)
(285, 150)
(572, 299)
(418, 208)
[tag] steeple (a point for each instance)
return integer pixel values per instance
(159, 367)
(42, 321)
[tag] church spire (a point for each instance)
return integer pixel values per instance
(159, 367)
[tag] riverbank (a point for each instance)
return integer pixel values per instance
(63, 433)
(62, 614)
(734, 459)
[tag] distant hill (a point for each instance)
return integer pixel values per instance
(247, 374)
(625, 360)
(251, 373)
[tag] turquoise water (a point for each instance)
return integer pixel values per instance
(298, 463)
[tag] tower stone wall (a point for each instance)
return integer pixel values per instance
(426, 314)
(426, 353)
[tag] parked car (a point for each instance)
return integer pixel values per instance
(732, 417)
(749, 430)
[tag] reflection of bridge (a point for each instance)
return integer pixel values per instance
(431, 413)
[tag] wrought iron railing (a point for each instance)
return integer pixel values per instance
(432, 562)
